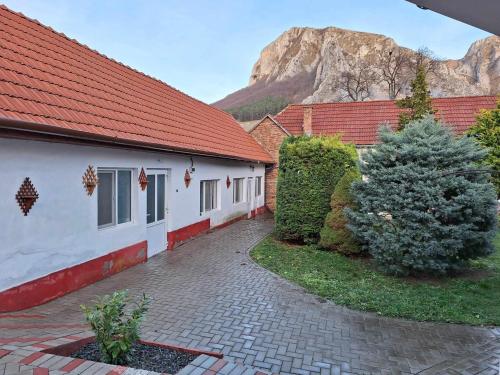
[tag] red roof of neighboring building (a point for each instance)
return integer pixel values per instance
(358, 122)
(51, 82)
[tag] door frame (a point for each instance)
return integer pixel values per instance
(166, 219)
(250, 195)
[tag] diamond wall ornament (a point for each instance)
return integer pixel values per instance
(26, 196)
(90, 180)
(228, 182)
(143, 179)
(187, 178)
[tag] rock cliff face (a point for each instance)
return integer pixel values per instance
(306, 64)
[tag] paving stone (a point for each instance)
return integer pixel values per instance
(92, 370)
(227, 369)
(40, 362)
(199, 360)
(82, 367)
(207, 293)
(10, 358)
(11, 368)
(195, 371)
(208, 362)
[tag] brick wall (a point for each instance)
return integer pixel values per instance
(271, 184)
(270, 136)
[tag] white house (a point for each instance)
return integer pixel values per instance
(102, 166)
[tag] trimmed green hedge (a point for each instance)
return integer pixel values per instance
(309, 169)
(335, 235)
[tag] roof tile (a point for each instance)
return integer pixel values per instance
(52, 80)
(358, 122)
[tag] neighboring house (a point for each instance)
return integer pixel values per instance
(356, 122)
(103, 166)
(249, 125)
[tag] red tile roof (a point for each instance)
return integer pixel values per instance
(52, 82)
(358, 122)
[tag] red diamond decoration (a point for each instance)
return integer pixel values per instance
(90, 180)
(26, 196)
(187, 178)
(228, 182)
(143, 179)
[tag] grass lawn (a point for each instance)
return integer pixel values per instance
(473, 298)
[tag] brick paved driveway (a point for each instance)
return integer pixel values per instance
(208, 294)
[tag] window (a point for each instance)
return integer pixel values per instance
(114, 197)
(238, 190)
(208, 195)
(160, 199)
(124, 196)
(258, 186)
(155, 198)
(105, 199)
(151, 193)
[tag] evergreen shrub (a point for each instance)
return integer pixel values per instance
(424, 206)
(309, 169)
(419, 103)
(335, 235)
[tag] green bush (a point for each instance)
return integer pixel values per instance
(309, 169)
(424, 206)
(115, 330)
(486, 131)
(335, 235)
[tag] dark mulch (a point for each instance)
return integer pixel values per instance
(145, 357)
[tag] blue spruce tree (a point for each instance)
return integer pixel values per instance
(424, 206)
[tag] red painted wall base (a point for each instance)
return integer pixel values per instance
(232, 221)
(259, 211)
(182, 234)
(253, 213)
(59, 283)
(56, 284)
(178, 236)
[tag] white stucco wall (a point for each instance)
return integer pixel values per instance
(61, 228)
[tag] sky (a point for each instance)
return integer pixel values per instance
(207, 48)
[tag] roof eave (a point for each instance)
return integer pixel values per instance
(33, 127)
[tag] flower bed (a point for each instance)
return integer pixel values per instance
(145, 355)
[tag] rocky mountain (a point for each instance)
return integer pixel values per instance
(309, 65)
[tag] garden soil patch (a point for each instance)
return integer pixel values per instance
(145, 357)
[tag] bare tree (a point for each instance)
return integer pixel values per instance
(355, 83)
(394, 70)
(425, 58)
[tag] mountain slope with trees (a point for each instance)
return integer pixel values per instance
(332, 64)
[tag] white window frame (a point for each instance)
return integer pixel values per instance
(258, 186)
(114, 203)
(242, 190)
(203, 183)
(165, 215)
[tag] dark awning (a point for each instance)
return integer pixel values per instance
(484, 14)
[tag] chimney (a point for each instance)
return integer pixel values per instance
(307, 125)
